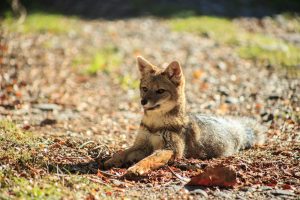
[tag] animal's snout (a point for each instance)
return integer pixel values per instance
(144, 102)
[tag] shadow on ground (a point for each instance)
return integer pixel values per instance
(75, 168)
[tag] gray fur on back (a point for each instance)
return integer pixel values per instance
(226, 136)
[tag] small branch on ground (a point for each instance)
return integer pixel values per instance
(108, 174)
(181, 178)
(86, 143)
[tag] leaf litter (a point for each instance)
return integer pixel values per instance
(81, 120)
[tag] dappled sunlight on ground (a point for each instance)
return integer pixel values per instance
(71, 87)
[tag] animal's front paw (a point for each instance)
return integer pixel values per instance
(137, 170)
(115, 161)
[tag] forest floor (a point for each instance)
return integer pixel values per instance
(69, 98)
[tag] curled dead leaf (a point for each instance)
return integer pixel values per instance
(223, 176)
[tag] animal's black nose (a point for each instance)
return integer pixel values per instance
(144, 101)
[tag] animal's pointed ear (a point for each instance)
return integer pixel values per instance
(174, 72)
(145, 66)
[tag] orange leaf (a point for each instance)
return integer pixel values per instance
(215, 176)
(90, 197)
(258, 107)
(108, 193)
(198, 74)
(223, 109)
(204, 86)
(18, 94)
(102, 176)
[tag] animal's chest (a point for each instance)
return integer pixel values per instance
(156, 140)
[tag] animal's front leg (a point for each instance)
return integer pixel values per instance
(137, 152)
(117, 159)
(154, 161)
(128, 156)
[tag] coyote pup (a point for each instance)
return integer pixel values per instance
(167, 132)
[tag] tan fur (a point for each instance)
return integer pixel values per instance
(154, 161)
(167, 132)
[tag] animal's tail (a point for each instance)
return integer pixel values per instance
(257, 130)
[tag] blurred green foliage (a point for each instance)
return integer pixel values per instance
(40, 22)
(128, 82)
(255, 46)
(220, 29)
(274, 51)
(105, 60)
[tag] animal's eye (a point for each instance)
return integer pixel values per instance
(160, 91)
(144, 89)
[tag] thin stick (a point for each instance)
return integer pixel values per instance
(108, 174)
(84, 144)
(96, 180)
(99, 146)
(183, 179)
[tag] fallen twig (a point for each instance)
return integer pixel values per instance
(109, 174)
(99, 146)
(181, 178)
(72, 158)
(96, 180)
(84, 144)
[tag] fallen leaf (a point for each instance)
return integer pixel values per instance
(90, 197)
(273, 184)
(198, 74)
(287, 187)
(108, 193)
(18, 94)
(102, 176)
(258, 107)
(26, 127)
(219, 175)
(223, 109)
(204, 86)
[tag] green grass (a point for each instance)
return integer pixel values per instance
(49, 187)
(128, 82)
(267, 49)
(272, 51)
(293, 21)
(220, 29)
(24, 175)
(23, 188)
(104, 60)
(40, 23)
(18, 147)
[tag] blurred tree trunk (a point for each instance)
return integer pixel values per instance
(19, 10)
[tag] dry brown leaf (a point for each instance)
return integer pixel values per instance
(219, 175)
